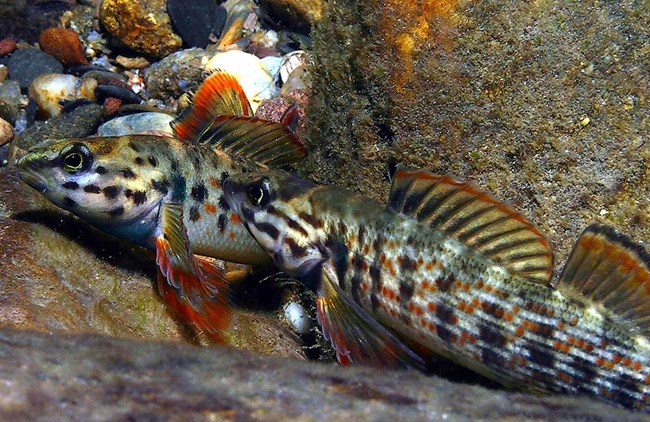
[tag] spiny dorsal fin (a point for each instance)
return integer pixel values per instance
(609, 268)
(270, 143)
(475, 218)
(219, 94)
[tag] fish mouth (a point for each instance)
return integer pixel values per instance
(27, 175)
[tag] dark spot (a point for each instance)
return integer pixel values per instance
(139, 161)
(311, 220)
(625, 386)
(69, 202)
(100, 170)
(116, 212)
(128, 193)
(406, 264)
(444, 333)
(162, 186)
(194, 213)
(406, 290)
(445, 284)
(355, 286)
(362, 235)
(585, 372)
(490, 357)
(111, 192)
(339, 255)
(375, 278)
(128, 174)
(268, 228)
(296, 250)
(444, 313)
(174, 165)
(221, 222)
(152, 161)
(290, 222)
(199, 192)
(133, 146)
(541, 357)
(92, 189)
(545, 330)
(223, 204)
(491, 336)
(224, 176)
(492, 309)
(71, 185)
(413, 200)
(139, 197)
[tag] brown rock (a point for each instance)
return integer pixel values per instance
(7, 46)
(141, 25)
(6, 132)
(64, 45)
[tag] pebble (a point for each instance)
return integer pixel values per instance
(143, 26)
(64, 45)
(249, 70)
(137, 123)
(175, 74)
(298, 317)
(6, 132)
(7, 46)
(195, 21)
(4, 72)
(50, 89)
(124, 94)
(28, 63)
(132, 62)
(233, 31)
(10, 99)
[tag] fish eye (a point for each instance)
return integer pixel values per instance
(259, 194)
(76, 158)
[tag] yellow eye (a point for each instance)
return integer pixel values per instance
(73, 162)
(256, 195)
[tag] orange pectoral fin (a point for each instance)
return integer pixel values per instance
(193, 287)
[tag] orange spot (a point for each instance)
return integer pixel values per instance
(232, 235)
(488, 288)
(515, 309)
(561, 326)
(557, 345)
(603, 343)
(609, 364)
(426, 284)
(636, 366)
(365, 249)
(617, 359)
(462, 305)
(647, 379)
(428, 266)
(364, 266)
(215, 183)
(432, 307)
(480, 284)
(627, 361)
(574, 321)
(470, 310)
(565, 348)
(466, 287)
(580, 343)
(600, 361)
(509, 317)
(519, 331)
(499, 312)
(475, 302)
(235, 218)
(210, 208)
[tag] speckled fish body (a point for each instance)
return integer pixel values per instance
(165, 193)
(447, 269)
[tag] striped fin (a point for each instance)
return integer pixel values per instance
(219, 94)
(270, 143)
(355, 336)
(609, 268)
(191, 286)
(476, 218)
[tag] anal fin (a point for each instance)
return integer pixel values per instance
(192, 286)
(355, 335)
(608, 268)
(474, 217)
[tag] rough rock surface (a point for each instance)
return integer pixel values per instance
(58, 274)
(544, 104)
(64, 376)
(143, 26)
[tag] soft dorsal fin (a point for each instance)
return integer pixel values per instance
(475, 218)
(219, 94)
(270, 143)
(607, 267)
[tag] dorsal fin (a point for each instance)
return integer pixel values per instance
(270, 143)
(607, 267)
(475, 218)
(219, 94)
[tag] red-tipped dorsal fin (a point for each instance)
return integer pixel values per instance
(192, 286)
(219, 94)
(476, 218)
(356, 336)
(608, 268)
(291, 117)
(269, 143)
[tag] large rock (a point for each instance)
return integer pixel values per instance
(60, 377)
(545, 104)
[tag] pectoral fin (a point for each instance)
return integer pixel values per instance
(355, 335)
(192, 286)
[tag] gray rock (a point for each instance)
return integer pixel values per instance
(27, 63)
(176, 73)
(137, 123)
(80, 122)
(10, 100)
(54, 377)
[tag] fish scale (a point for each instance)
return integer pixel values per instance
(446, 269)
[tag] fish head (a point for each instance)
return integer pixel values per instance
(274, 206)
(103, 180)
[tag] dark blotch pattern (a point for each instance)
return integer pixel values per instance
(293, 224)
(540, 357)
(116, 212)
(71, 185)
(490, 357)
(444, 333)
(199, 193)
(311, 220)
(162, 186)
(69, 202)
(100, 170)
(194, 214)
(492, 337)
(221, 222)
(268, 228)
(111, 192)
(626, 385)
(223, 204)
(92, 189)
(133, 146)
(139, 197)
(375, 278)
(296, 250)
(128, 174)
(152, 160)
(139, 161)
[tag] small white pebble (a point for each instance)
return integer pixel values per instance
(297, 316)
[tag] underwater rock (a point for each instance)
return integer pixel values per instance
(176, 73)
(513, 96)
(78, 123)
(132, 62)
(195, 21)
(7, 46)
(64, 45)
(6, 132)
(143, 26)
(10, 98)
(249, 70)
(48, 90)
(59, 377)
(20, 19)
(4, 72)
(296, 15)
(233, 30)
(137, 123)
(27, 63)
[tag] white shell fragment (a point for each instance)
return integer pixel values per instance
(137, 123)
(297, 317)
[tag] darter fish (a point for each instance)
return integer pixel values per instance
(165, 193)
(447, 269)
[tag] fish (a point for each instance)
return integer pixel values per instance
(445, 269)
(165, 192)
